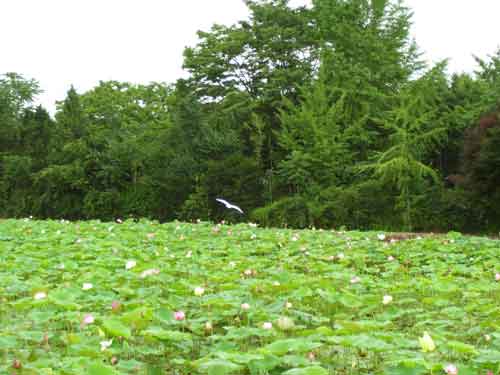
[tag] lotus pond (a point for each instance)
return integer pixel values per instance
(147, 298)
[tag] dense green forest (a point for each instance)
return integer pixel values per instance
(322, 116)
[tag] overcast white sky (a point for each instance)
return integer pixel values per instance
(79, 42)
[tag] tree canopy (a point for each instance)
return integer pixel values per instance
(319, 116)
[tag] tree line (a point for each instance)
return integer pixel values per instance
(320, 116)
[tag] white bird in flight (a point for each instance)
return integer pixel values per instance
(229, 205)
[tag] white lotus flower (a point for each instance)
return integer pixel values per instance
(245, 306)
(267, 325)
(130, 264)
(427, 343)
(209, 326)
(355, 280)
(381, 236)
(106, 344)
(285, 323)
(199, 291)
(387, 299)
(87, 286)
(150, 272)
(40, 295)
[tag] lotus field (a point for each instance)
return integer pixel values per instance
(148, 298)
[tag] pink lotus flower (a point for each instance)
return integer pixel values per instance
(497, 276)
(88, 319)
(179, 315)
(245, 306)
(390, 258)
(116, 306)
(451, 370)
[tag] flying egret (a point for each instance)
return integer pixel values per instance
(229, 205)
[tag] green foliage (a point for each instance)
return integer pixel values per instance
(143, 272)
(413, 133)
(254, 64)
(293, 212)
(15, 185)
(16, 94)
(318, 116)
(314, 139)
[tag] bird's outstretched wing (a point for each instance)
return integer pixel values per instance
(224, 202)
(237, 208)
(229, 205)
